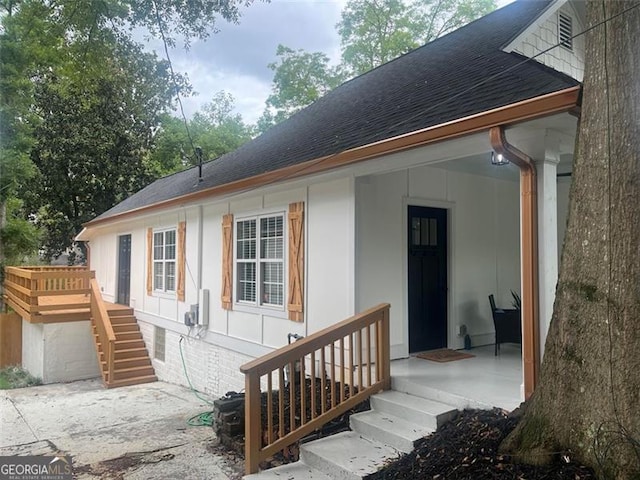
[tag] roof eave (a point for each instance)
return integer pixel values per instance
(566, 100)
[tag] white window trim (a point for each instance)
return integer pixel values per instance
(279, 311)
(163, 292)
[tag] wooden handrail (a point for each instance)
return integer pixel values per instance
(65, 287)
(104, 329)
(362, 344)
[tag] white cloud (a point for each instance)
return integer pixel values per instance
(236, 58)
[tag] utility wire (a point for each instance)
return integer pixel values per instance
(173, 77)
(505, 71)
(313, 163)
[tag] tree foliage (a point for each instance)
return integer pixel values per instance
(214, 129)
(300, 78)
(372, 32)
(80, 101)
(89, 148)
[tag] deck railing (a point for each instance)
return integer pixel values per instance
(106, 336)
(42, 294)
(348, 362)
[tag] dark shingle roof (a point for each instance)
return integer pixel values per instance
(426, 87)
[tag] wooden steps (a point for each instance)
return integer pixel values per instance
(132, 364)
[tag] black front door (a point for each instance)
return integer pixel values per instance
(124, 269)
(427, 278)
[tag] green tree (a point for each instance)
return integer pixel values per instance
(90, 142)
(215, 129)
(587, 402)
(73, 45)
(300, 78)
(374, 32)
(20, 237)
(16, 120)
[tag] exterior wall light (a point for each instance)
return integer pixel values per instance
(498, 159)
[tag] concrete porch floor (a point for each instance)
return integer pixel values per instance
(484, 381)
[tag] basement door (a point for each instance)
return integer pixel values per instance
(427, 268)
(124, 269)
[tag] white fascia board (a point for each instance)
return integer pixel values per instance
(83, 236)
(534, 26)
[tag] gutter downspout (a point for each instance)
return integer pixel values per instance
(529, 255)
(200, 240)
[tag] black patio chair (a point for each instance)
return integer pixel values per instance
(507, 323)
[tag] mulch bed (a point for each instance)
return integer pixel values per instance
(467, 448)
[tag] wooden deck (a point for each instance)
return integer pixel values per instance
(48, 294)
(71, 294)
(72, 308)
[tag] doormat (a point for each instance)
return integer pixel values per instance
(444, 355)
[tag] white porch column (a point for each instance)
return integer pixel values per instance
(547, 233)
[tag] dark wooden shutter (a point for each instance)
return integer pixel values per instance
(149, 261)
(295, 303)
(182, 234)
(227, 261)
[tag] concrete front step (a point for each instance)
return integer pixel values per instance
(347, 455)
(417, 410)
(460, 402)
(396, 432)
(293, 471)
(396, 421)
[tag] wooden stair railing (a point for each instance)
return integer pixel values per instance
(122, 354)
(104, 330)
(362, 340)
(45, 294)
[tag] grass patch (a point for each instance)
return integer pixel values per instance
(17, 377)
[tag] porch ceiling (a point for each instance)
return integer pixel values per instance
(480, 164)
(555, 132)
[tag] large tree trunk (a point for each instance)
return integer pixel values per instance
(588, 400)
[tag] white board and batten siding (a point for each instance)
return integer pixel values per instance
(483, 245)
(237, 335)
